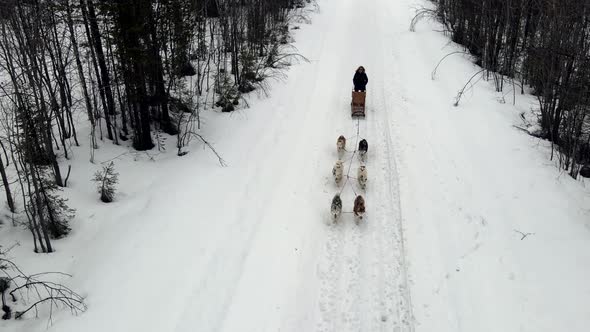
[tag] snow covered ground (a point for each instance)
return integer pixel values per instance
(192, 246)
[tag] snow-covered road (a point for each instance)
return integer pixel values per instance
(249, 247)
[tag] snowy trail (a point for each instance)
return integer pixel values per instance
(250, 247)
(356, 290)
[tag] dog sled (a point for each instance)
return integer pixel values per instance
(358, 104)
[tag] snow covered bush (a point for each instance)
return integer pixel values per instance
(48, 210)
(106, 181)
(57, 212)
(227, 91)
(248, 75)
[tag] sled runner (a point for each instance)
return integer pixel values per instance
(358, 103)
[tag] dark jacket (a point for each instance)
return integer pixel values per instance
(360, 80)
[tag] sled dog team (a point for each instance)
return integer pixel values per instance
(338, 173)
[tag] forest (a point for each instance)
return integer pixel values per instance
(123, 65)
(538, 46)
(85, 73)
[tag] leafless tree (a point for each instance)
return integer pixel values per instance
(543, 44)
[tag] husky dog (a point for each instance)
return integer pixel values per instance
(337, 171)
(341, 144)
(336, 208)
(359, 207)
(362, 176)
(363, 148)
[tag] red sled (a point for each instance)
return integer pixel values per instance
(358, 103)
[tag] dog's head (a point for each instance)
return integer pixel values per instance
(341, 138)
(336, 200)
(336, 206)
(363, 145)
(359, 204)
(338, 164)
(362, 168)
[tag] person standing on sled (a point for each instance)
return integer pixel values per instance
(360, 79)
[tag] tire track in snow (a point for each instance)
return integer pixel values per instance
(394, 300)
(375, 236)
(395, 292)
(383, 313)
(401, 290)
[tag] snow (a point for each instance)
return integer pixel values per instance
(470, 182)
(192, 246)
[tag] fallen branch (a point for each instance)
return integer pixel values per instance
(523, 129)
(221, 161)
(74, 304)
(16, 281)
(524, 235)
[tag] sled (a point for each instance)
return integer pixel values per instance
(358, 104)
